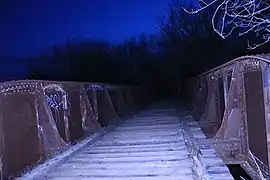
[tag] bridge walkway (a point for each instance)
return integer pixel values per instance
(155, 144)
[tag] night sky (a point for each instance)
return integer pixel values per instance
(27, 26)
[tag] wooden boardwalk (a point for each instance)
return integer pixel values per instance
(153, 145)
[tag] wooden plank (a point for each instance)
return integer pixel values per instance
(134, 154)
(129, 178)
(126, 173)
(146, 139)
(135, 143)
(127, 166)
(147, 147)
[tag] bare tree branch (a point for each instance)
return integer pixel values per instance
(247, 16)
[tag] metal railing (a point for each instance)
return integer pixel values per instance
(39, 119)
(231, 102)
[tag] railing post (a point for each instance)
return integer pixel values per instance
(255, 115)
(265, 76)
(246, 119)
(66, 116)
(226, 89)
(242, 105)
(1, 145)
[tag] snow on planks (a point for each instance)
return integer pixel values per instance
(150, 146)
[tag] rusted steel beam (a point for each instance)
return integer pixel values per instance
(233, 107)
(39, 119)
(110, 86)
(262, 58)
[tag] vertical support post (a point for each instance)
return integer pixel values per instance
(226, 90)
(265, 76)
(66, 116)
(2, 144)
(242, 105)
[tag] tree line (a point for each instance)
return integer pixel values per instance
(185, 46)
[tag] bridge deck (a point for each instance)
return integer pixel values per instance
(154, 144)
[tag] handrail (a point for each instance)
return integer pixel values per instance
(222, 91)
(110, 86)
(233, 61)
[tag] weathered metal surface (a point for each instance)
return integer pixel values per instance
(236, 112)
(21, 140)
(154, 144)
(39, 119)
(256, 115)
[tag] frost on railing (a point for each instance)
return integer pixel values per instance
(40, 118)
(231, 104)
(89, 112)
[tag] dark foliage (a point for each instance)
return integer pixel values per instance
(186, 46)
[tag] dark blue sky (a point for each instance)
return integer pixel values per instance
(29, 25)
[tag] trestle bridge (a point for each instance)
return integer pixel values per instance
(70, 130)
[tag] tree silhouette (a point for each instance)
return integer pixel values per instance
(186, 45)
